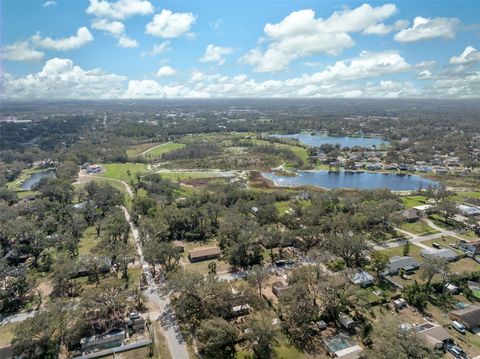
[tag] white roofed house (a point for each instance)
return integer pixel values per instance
(360, 277)
(396, 263)
(444, 253)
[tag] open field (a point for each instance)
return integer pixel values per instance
(135, 150)
(120, 171)
(414, 201)
(178, 176)
(419, 227)
(88, 242)
(159, 150)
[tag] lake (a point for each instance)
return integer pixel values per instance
(319, 139)
(35, 178)
(341, 179)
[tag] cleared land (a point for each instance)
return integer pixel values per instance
(159, 150)
(135, 150)
(419, 227)
(120, 171)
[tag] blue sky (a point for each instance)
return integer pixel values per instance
(105, 49)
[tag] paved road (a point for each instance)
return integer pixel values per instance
(418, 239)
(161, 304)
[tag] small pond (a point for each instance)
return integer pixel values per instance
(35, 178)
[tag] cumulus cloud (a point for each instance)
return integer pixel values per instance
(125, 41)
(49, 3)
(165, 71)
(157, 49)
(383, 29)
(427, 29)
(300, 34)
(82, 37)
(169, 25)
(215, 54)
(468, 56)
(115, 28)
(120, 10)
(60, 78)
(20, 51)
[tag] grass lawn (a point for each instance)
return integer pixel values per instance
(460, 196)
(164, 148)
(418, 227)
(282, 206)
(134, 275)
(178, 176)
(414, 201)
(88, 242)
(398, 251)
(119, 171)
(6, 333)
(464, 265)
(283, 350)
(135, 150)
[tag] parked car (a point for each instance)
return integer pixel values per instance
(459, 327)
(457, 352)
(436, 245)
(453, 245)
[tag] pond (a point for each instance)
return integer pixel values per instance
(361, 180)
(317, 140)
(35, 178)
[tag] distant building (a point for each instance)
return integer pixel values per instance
(136, 322)
(361, 278)
(469, 316)
(279, 289)
(468, 211)
(396, 263)
(346, 321)
(471, 248)
(410, 215)
(433, 334)
(179, 245)
(112, 339)
(423, 208)
(342, 346)
(444, 253)
(94, 169)
(203, 254)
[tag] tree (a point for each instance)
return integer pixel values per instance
(217, 339)
(63, 277)
(432, 266)
(261, 335)
(163, 253)
(447, 208)
(379, 262)
(257, 276)
(390, 340)
(406, 248)
(349, 246)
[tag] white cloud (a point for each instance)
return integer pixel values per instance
(425, 64)
(424, 75)
(217, 24)
(215, 54)
(170, 25)
(49, 3)
(157, 49)
(125, 41)
(197, 76)
(20, 51)
(120, 10)
(427, 29)
(300, 34)
(60, 78)
(382, 29)
(82, 37)
(468, 56)
(115, 28)
(166, 71)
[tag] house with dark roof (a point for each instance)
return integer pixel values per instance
(469, 316)
(204, 254)
(410, 215)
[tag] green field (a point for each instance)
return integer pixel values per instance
(135, 150)
(418, 227)
(178, 176)
(119, 171)
(164, 148)
(88, 242)
(414, 201)
(6, 334)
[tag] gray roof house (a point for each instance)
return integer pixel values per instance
(395, 263)
(360, 277)
(444, 253)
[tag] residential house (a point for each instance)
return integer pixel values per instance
(444, 253)
(468, 211)
(410, 215)
(112, 339)
(203, 254)
(469, 316)
(471, 248)
(433, 334)
(397, 263)
(360, 277)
